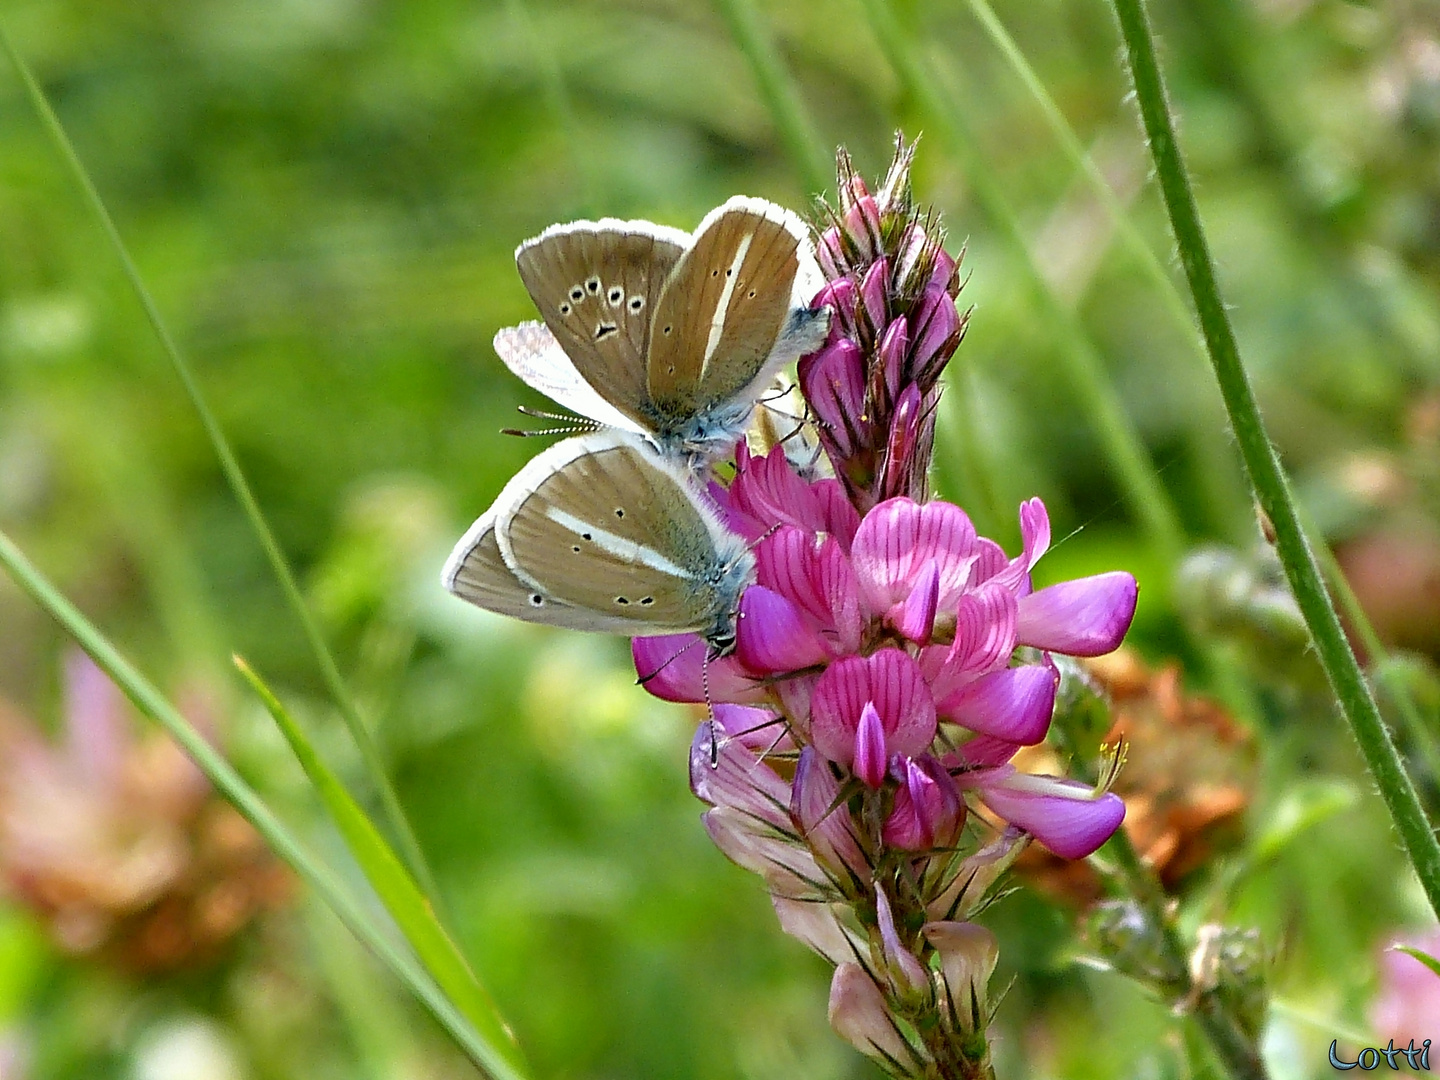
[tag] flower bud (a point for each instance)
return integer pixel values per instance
(875, 294)
(894, 344)
(859, 1016)
(968, 953)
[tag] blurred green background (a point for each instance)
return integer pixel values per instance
(324, 196)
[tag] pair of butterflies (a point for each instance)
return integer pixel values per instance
(664, 341)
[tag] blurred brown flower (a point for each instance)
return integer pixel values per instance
(1189, 775)
(117, 840)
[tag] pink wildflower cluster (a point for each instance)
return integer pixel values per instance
(889, 664)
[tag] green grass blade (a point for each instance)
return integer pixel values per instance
(234, 475)
(499, 1061)
(1424, 957)
(781, 94)
(1263, 464)
(1096, 397)
(392, 882)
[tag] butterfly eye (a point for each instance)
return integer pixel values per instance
(615, 295)
(536, 600)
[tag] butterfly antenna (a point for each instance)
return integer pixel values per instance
(568, 430)
(643, 679)
(564, 418)
(709, 710)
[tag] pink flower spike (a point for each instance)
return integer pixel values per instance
(874, 294)
(857, 1013)
(674, 668)
(916, 616)
(774, 636)
(824, 825)
(928, 810)
(905, 432)
(1085, 617)
(1014, 704)
(888, 681)
(869, 761)
(737, 779)
(833, 382)
(944, 270)
(894, 344)
(934, 323)
(896, 539)
(1067, 817)
(828, 253)
(841, 297)
(906, 973)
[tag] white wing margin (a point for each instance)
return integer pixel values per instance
(531, 352)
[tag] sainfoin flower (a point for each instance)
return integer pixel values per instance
(889, 664)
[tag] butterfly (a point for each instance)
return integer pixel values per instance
(602, 532)
(665, 334)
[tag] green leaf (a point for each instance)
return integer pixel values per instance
(395, 886)
(1303, 806)
(1424, 957)
(500, 1060)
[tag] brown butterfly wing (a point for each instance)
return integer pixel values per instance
(597, 285)
(723, 307)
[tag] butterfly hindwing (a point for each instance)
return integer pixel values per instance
(531, 352)
(604, 523)
(477, 572)
(597, 285)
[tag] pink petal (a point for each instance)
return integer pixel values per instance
(737, 778)
(825, 825)
(874, 290)
(1014, 704)
(870, 757)
(1085, 617)
(858, 1014)
(674, 668)
(896, 539)
(891, 681)
(927, 810)
(984, 639)
(833, 382)
(841, 297)
(788, 869)
(767, 490)
(815, 925)
(774, 635)
(935, 322)
(916, 616)
(894, 344)
(905, 970)
(838, 514)
(1070, 827)
(983, 751)
(785, 563)
(990, 560)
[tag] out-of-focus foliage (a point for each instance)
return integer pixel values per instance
(324, 196)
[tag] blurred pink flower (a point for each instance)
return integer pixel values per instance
(1408, 1005)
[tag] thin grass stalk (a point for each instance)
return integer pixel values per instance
(1263, 464)
(494, 1050)
(754, 39)
(1139, 481)
(235, 476)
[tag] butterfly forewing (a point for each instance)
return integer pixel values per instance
(597, 285)
(477, 573)
(616, 530)
(723, 307)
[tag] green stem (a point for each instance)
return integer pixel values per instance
(1096, 396)
(498, 1059)
(781, 94)
(230, 466)
(1263, 465)
(1239, 1055)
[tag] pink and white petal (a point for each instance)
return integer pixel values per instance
(898, 536)
(774, 636)
(1014, 704)
(1067, 817)
(840, 696)
(903, 700)
(736, 777)
(914, 617)
(834, 578)
(1085, 617)
(990, 559)
(785, 562)
(838, 514)
(754, 728)
(823, 821)
(674, 668)
(794, 692)
(814, 924)
(788, 870)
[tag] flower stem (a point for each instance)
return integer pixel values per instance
(482, 1034)
(1261, 461)
(235, 476)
